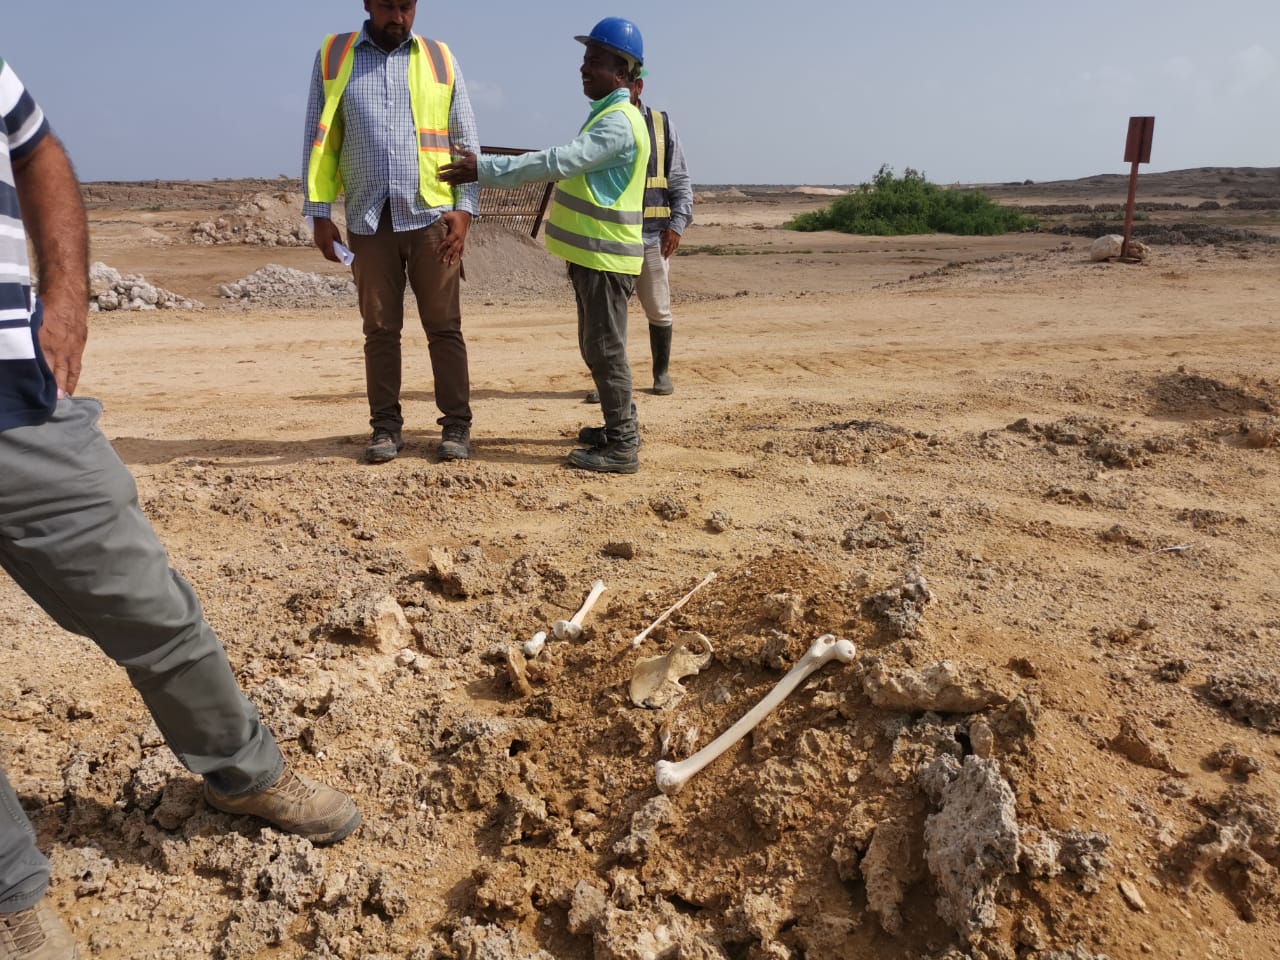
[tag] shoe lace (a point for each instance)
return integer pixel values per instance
(292, 787)
(381, 434)
(24, 929)
(455, 433)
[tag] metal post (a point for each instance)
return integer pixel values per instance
(1137, 149)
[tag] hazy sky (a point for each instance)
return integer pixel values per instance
(791, 92)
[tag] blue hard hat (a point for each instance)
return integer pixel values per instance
(619, 35)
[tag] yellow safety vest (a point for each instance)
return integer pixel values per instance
(584, 231)
(431, 96)
(657, 201)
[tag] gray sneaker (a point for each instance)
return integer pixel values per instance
(36, 934)
(294, 804)
(455, 444)
(383, 445)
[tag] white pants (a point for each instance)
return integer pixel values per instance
(653, 286)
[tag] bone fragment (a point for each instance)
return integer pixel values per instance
(533, 646)
(639, 637)
(672, 776)
(516, 672)
(571, 629)
(655, 681)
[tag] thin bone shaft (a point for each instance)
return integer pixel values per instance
(639, 638)
(672, 776)
(597, 588)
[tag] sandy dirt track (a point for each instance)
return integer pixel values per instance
(1038, 493)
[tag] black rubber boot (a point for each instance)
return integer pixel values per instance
(660, 344)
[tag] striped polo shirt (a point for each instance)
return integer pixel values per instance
(28, 392)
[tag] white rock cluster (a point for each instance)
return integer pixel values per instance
(110, 290)
(267, 220)
(278, 286)
(261, 234)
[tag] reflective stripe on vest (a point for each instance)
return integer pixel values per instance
(657, 202)
(430, 95)
(584, 231)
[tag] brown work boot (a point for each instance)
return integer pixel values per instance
(36, 934)
(295, 804)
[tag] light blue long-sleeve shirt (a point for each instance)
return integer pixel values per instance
(605, 153)
(379, 160)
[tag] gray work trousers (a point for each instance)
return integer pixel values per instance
(602, 337)
(74, 538)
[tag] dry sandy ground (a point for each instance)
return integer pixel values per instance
(1039, 494)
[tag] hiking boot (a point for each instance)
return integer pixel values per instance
(294, 804)
(35, 934)
(660, 346)
(383, 445)
(455, 443)
(610, 458)
(596, 437)
(593, 396)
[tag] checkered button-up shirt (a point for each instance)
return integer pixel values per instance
(379, 160)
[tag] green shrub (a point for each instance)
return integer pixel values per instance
(892, 206)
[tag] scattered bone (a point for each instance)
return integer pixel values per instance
(639, 637)
(1143, 748)
(1132, 897)
(571, 629)
(517, 671)
(655, 682)
(406, 657)
(939, 688)
(533, 646)
(672, 777)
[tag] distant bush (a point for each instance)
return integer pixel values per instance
(891, 206)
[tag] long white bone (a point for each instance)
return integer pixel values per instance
(639, 637)
(571, 629)
(672, 776)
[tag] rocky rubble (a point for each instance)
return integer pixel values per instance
(111, 290)
(266, 220)
(277, 286)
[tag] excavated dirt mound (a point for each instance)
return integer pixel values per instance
(1037, 493)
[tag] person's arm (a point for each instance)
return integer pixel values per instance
(679, 193)
(610, 143)
(54, 218)
(466, 197)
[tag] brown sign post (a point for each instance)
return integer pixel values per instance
(1137, 149)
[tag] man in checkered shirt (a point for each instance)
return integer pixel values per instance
(386, 108)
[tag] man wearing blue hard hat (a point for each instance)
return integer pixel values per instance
(596, 224)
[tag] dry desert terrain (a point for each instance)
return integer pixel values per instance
(1039, 495)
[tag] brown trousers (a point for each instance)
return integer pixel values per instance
(383, 263)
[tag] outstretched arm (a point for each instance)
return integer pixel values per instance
(54, 217)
